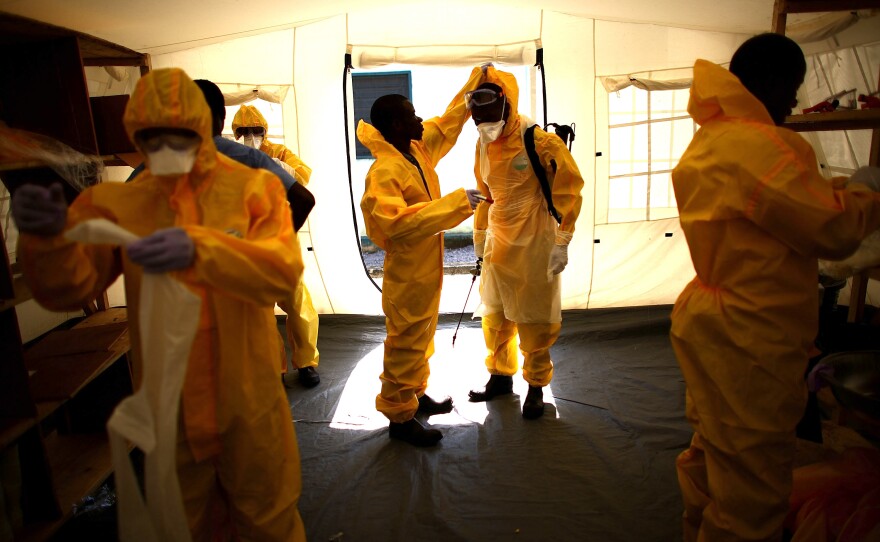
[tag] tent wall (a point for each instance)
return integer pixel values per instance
(569, 60)
(646, 262)
(319, 64)
(577, 51)
(623, 48)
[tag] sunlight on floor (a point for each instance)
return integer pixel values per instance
(454, 372)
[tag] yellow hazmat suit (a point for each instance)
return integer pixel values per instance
(249, 116)
(302, 318)
(517, 290)
(756, 214)
(237, 445)
(407, 222)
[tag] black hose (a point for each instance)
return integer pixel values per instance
(348, 161)
(539, 62)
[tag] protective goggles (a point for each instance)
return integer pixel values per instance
(153, 140)
(250, 130)
(481, 97)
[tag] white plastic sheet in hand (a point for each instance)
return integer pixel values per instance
(168, 315)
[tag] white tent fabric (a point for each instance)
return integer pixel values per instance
(447, 55)
(237, 93)
(825, 26)
(581, 54)
(292, 54)
(620, 82)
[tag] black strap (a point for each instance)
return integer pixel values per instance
(413, 161)
(529, 140)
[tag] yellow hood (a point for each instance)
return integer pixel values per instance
(249, 116)
(372, 139)
(507, 82)
(717, 92)
(168, 98)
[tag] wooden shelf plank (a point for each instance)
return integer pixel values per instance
(855, 119)
(16, 30)
(12, 428)
(80, 464)
(820, 6)
(28, 164)
(61, 378)
(22, 294)
(100, 318)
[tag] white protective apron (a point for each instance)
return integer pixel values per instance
(516, 279)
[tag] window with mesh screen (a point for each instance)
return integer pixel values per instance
(366, 87)
(648, 133)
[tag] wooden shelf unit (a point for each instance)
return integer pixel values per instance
(857, 119)
(55, 395)
(853, 119)
(80, 464)
(782, 8)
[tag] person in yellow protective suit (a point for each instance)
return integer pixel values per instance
(757, 215)
(522, 247)
(301, 325)
(224, 230)
(405, 215)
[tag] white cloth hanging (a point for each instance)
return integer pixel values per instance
(148, 419)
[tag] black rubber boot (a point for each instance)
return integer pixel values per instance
(497, 385)
(308, 377)
(430, 407)
(412, 432)
(533, 406)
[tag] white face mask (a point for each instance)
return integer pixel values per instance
(167, 161)
(253, 141)
(490, 131)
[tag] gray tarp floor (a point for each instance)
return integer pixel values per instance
(599, 466)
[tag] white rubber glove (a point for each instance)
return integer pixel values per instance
(479, 242)
(39, 210)
(868, 176)
(558, 259)
(165, 250)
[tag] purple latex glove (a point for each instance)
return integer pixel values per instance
(165, 250)
(39, 210)
(815, 382)
(474, 198)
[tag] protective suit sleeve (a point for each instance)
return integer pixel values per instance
(442, 132)
(301, 171)
(401, 223)
(566, 183)
(261, 267)
(481, 213)
(62, 274)
(264, 162)
(785, 195)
